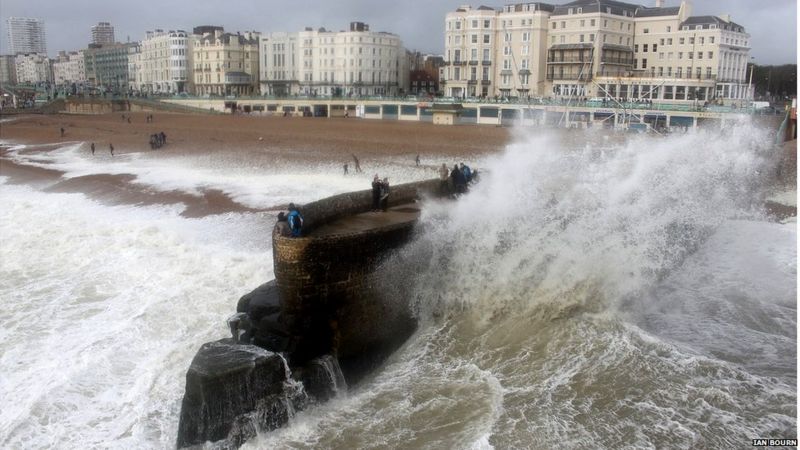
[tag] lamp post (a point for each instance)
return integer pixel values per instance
(750, 81)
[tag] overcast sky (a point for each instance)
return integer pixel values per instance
(420, 23)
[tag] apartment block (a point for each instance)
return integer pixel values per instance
(162, 63)
(224, 63)
(491, 52)
(69, 68)
(343, 63)
(8, 70)
(103, 34)
(32, 68)
(107, 66)
(26, 35)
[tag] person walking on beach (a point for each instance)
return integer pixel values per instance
(416, 160)
(376, 193)
(357, 165)
(111, 148)
(345, 168)
(92, 148)
(295, 220)
(163, 138)
(62, 131)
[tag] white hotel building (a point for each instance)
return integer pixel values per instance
(69, 68)
(595, 48)
(162, 63)
(321, 62)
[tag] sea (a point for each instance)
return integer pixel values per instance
(596, 291)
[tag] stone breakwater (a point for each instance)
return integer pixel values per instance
(322, 323)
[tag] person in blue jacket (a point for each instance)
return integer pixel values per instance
(467, 172)
(295, 220)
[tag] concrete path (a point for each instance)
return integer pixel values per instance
(408, 212)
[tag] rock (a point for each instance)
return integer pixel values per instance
(263, 301)
(232, 390)
(322, 378)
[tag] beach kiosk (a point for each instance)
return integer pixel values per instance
(446, 113)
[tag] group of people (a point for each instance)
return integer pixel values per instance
(456, 180)
(290, 224)
(157, 140)
(357, 165)
(380, 193)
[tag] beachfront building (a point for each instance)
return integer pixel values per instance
(69, 68)
(8, 70)
(610, 49)
(107, 66)
(490, 52)
(224, 63)
(595, 48)
(26, 35)
(329, 63)
(162, 63)
(103, 34)
(32, 68)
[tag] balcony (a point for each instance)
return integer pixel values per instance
(486, 82)
(568, 60)
(569, 76)
(486, 63)
(472, 82)
(473, 63)
(619, 61)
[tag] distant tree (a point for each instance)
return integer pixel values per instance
(775, 83)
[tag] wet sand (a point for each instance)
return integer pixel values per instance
(262, 140)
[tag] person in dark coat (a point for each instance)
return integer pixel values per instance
(111, 148)
(282, 227)
(385, 194)
(376, 193)
(459, 181)
(92, 148)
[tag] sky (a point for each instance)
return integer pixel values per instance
(772, 24)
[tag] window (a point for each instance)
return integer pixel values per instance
(580, 10)
(563, 25)
(457, 73)
(698, 72)
(506, 50)
(554, 25)
(524, 49)
(644, 63)
(485, 38)
(456, 55)
(681, 41)
(710, 55)
(591, 23)
(646, 31)
(486, 54)
(591, 37)
(691, 40)
(473, 54)
(669, 28)
(635, 63)
(711, 39)
(583, 23)
(508, 37)
(473, 39)
(699, 55)
(526, 36)
(708, 72)
(655, 46)
(487, 23)
(691, 55)
(563, 39)
(458, 24)
(702, 40)
(644, 48)
(661, 55)
(636, 48)
(569, 11)
(474, 24)
(525, 63)
(669, 41)
(506, 64)
(669, 71)
(605, 23)
(680, 55)
(661, 41)
(678, 73)
(581, 38)
(661, 71)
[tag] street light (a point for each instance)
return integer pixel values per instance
(750, 82)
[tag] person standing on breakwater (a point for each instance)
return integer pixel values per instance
(376, 193)
(444, 176)
(459, 182)
(92, 148)
(282, 226)
(385, 194)
(295, 220)
(345, 168)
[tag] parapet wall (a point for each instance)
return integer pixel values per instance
(327, 285)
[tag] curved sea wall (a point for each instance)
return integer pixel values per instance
(323, 320)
